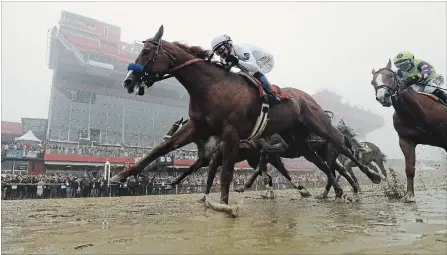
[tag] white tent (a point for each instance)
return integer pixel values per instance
(28, 137)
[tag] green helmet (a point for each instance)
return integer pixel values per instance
(404, 60)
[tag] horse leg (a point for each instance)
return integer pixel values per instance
(348, 167)
(326, 152)
(279, 165)
(215, 161)
(313, 157)
(331, 134)
(252, 179)
(409, 150)
(193, 168)
(230, 152)
(379, 162)
(269, 184)
(345, 174)
(186, 135)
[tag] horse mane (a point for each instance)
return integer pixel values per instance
(196, 51)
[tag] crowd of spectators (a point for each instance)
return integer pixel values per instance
(153, 183)
(115, 151)
(37, 149)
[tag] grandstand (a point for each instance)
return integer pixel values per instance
(92, 119)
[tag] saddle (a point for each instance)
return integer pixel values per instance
(257, 84)
(434, 97)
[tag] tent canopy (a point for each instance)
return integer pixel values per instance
(28, 137)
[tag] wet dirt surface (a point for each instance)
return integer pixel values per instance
(180, 224)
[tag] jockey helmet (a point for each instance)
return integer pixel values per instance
(404, 60)
(220, 42)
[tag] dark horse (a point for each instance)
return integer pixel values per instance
(210, 154)
(375, 155)
(226, 105)
(419, 118)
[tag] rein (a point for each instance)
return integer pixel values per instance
(155, 77)
(169, 73)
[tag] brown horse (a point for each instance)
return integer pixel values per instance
(226, 105)
(418, 118)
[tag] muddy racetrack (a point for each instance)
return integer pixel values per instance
(179, 224)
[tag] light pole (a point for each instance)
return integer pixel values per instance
(107, 175)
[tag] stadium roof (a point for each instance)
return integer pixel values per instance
(14, 128)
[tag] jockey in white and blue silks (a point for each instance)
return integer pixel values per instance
(257, 62)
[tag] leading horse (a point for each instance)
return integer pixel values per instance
(419, 118)
(225, 104)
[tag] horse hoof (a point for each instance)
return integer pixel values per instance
(305, 193)
(375, 178)
(240, 189)
(203, 199)
(408, 199)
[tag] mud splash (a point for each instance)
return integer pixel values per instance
(394, 187)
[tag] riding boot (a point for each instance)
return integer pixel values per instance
(441, 94)
(267, 88)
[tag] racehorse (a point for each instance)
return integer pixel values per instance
(419, 118)
(226, 104)
(209, 152)
(375, 155)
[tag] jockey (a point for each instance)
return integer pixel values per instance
(254, 60)
(419, 74)
(351, 134)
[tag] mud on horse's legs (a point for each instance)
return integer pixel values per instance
(409, 150)
(184, 136)
(313, 157)
(215, 161)
(230, 152)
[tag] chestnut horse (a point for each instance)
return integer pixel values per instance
(226, 105)
(418, 118)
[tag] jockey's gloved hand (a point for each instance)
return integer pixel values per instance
(413, 79)
(232, 59)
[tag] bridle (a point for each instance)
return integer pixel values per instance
(150, 77)
(394, 87)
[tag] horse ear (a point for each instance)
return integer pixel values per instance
(181, 120)
(184, 122)
(159, 34)
(388, 66)
(373, 71)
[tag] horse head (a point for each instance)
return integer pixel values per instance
(158, 60)
(386, 84)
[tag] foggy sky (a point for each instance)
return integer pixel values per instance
(315, 45)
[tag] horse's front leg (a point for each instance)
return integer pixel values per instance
(186, 135)
(253, 162)
(200, 162)
(230, 152)
(409, 150)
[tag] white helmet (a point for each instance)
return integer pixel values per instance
(219, 41)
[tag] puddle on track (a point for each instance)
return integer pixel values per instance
(179, 224)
